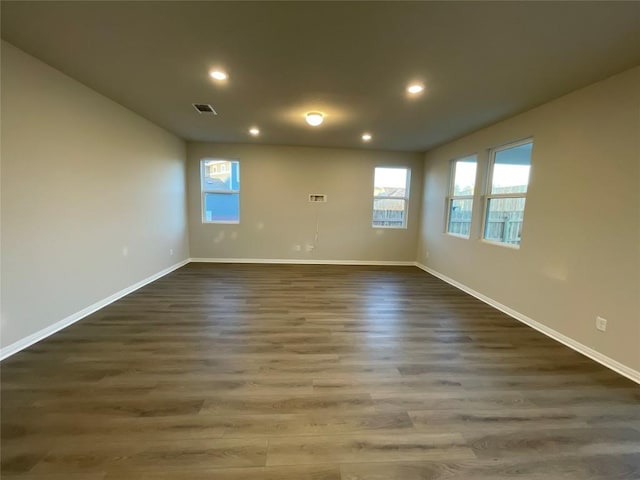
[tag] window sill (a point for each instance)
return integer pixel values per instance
(457, 235)
(501, 244)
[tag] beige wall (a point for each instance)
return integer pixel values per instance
(82, 178)
(580, 252)
(276, 214)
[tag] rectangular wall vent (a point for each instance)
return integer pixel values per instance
(317, 197)
(204, 108)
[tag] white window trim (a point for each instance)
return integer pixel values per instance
(204, 190)
(489, 196)
(405, 222)
(451, 197)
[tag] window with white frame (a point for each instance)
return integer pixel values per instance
(220, 186)
(460, 199)
(507, 193)
(391, 197)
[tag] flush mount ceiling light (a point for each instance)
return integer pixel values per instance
(415, 88)
(254, 131)
(218, 75)
(314, 118)
(366, 137)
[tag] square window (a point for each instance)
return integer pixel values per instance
(511, 168)
(503, 220)
(221, 207)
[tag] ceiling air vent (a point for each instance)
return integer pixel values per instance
(204, 108)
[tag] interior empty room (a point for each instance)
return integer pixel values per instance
(320, 240)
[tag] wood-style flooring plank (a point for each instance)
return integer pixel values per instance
(153, 453)
(366, 448)
(596, 467)
(302, 472)
(310, 372)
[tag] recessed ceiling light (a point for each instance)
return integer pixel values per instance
(366, 137)
(218, 75)
(254, 131)
(415, 88)
(314, 118)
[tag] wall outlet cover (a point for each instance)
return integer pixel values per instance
(601, 324)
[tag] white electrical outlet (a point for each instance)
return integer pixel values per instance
(125, 251)
(309, 248)
(601, 324)
(171, 251)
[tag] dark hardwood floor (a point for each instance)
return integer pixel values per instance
(279, 372)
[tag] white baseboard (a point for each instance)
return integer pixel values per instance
(298, 261)
(608, 362)
(65, 322)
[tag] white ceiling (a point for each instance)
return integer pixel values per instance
(480, 62)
